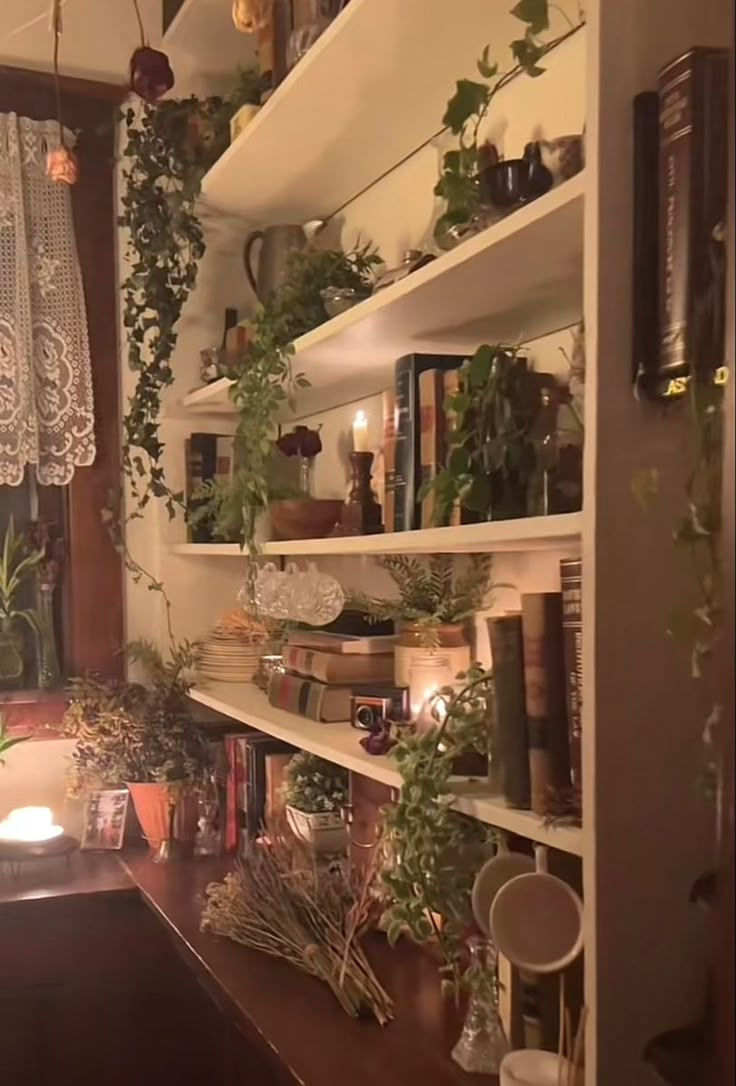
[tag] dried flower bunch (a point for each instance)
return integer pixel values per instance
(241, 626)
(314, 785)
(127, 732)
(281, 902)
(301, 441)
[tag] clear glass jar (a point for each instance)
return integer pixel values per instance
(428, 673)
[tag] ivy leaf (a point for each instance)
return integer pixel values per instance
(527, 52)
(470, 98)
(481, 366)
(533, 12)
(487, 68)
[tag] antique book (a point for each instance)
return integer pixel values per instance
(507, 655)
(546, 711)
(258, 746)
(309, 698)
(408, 453)
(209, 458)
(572, 640)
(235, 789)
(275, 765)
(451, 386)
(693, 176)
(347, 644)
(339, 667)
(431, 438)
(645, 241)
(388, 400)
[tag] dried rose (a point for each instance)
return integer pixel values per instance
(309, 441)
(150, 73)
(288, 444)
(380, 741)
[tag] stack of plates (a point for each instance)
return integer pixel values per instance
(228, 658)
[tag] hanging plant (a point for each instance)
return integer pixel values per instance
(459, 183)
(264, 381)
(170, 146)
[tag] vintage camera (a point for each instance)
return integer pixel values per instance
(369, 707)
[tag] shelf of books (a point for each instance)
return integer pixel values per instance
(339, 742)
(513, 282)
(528, 534)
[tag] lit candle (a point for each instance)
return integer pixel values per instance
(360, 432)
(30, 824)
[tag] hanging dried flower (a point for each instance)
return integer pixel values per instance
(62, 166)
(151, 75)
(251, 16)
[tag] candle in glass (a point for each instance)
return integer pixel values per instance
(360, 432)
(429, 672)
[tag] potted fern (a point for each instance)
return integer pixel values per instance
(314, 792)
(433, 606)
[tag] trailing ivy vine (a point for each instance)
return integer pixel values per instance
(459, 183)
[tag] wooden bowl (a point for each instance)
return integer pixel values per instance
(304, 518)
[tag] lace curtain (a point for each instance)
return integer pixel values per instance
(46, 406)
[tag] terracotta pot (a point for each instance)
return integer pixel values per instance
(451, 642)
(152, 803)
(304, 518)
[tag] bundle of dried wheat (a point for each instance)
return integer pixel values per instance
(280, 901)
(242, 627)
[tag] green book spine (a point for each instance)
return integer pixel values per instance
(511, 727)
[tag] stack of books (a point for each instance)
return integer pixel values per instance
(256, 764)
(324, 671)
(537, 670)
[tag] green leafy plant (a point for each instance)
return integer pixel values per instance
(170, 145)
(434, 852)
(264, 381)
(135, 732)
(7, 742)
(445, 590)
(459, 183)
(314, 785)
(491, 457)
(17, 565)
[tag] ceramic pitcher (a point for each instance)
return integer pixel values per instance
(277, 244)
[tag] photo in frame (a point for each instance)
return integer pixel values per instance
(105, 812)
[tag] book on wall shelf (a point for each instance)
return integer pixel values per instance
(507, 654)
(571, 570)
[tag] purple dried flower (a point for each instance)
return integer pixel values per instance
(150, 73)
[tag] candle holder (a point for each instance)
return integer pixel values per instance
(361, 513)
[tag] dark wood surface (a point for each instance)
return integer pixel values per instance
(280, 1026)
(80, 875)
(296, 1017)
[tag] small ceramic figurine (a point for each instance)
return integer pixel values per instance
(62, 166)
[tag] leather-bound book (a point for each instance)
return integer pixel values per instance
(388, 400)
(451, 387)
(507, 654)
(693, 180)
(431, 439)
(572, 640)
(546, 711)
(645, 241)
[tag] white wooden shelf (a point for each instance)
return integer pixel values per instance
(340, 743)
(363, 98)
(529, 534)
(517, 280)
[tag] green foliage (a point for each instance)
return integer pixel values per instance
(170, 146)
(264, 381)
(131, 732)
(314, 785)
(459, 182)
(6, 741)
(434, 853)
(446, 590)
(491, 457)
(17, 564)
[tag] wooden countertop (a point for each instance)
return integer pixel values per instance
(295, 1017)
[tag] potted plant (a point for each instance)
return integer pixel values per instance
(493, 462)
(302, 517)
(17, 565)
(432, 607)
(314, 792)
(140, 736)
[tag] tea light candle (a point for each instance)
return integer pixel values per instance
(428, 674)
(29, 824)
(360, 432)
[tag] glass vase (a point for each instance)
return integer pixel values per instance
(483, 1042)
(11, 655)
(305, 476)
(48, 658)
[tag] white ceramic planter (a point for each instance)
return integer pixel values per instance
(324, 831)
(532, 1067)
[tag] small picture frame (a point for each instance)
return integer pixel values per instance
(105, 813)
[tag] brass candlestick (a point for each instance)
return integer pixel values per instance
(361, 513)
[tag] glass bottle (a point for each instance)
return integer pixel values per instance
(48, 659)
(11, 655)
(208, 840)
(483, 1042)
